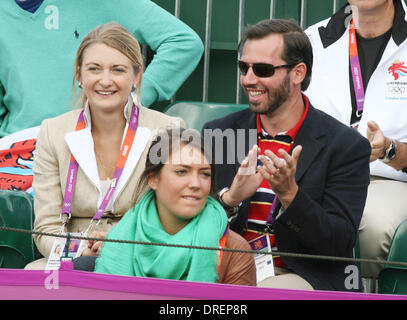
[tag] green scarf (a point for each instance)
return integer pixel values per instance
(142, 223)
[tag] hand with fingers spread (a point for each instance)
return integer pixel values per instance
(378, 141)
(280, 173)
(246, 181)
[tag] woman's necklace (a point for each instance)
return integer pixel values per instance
(107, 172)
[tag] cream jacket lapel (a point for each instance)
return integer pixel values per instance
(81, 145)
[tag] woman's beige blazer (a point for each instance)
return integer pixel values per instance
(56, 141)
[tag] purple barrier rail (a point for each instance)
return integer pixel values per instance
(68, 284)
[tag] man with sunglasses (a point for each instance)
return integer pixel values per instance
(362, 83)
(303, 183)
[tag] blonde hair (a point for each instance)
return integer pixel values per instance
(117, 37)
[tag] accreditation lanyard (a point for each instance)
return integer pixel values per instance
(121, 161)
(270, 218)
(356, 70)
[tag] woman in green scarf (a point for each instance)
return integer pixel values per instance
(177, 208)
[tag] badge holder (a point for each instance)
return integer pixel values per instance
(71, 247)
(264, 262)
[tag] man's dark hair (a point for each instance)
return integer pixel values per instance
(297, 47)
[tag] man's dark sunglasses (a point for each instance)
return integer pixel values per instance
(262, 70)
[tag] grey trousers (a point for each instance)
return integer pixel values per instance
(385, 209)
(285, 279)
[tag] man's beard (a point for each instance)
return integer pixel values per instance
(279, 96)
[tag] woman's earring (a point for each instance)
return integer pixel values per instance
(133, 88)
(80, 85)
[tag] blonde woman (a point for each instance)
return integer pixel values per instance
(88, 161)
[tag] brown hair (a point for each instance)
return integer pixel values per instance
(297, 47)
(117, 37)
(160, 150)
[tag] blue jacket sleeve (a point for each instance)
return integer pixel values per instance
(324, 219)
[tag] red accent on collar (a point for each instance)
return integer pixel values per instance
(293, 131)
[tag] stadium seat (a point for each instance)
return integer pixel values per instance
(196, 114)
(16, 211)
(356, 251)
(393, 279)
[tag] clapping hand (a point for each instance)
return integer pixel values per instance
(377, 141)
(246, 181)
(280, 173)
